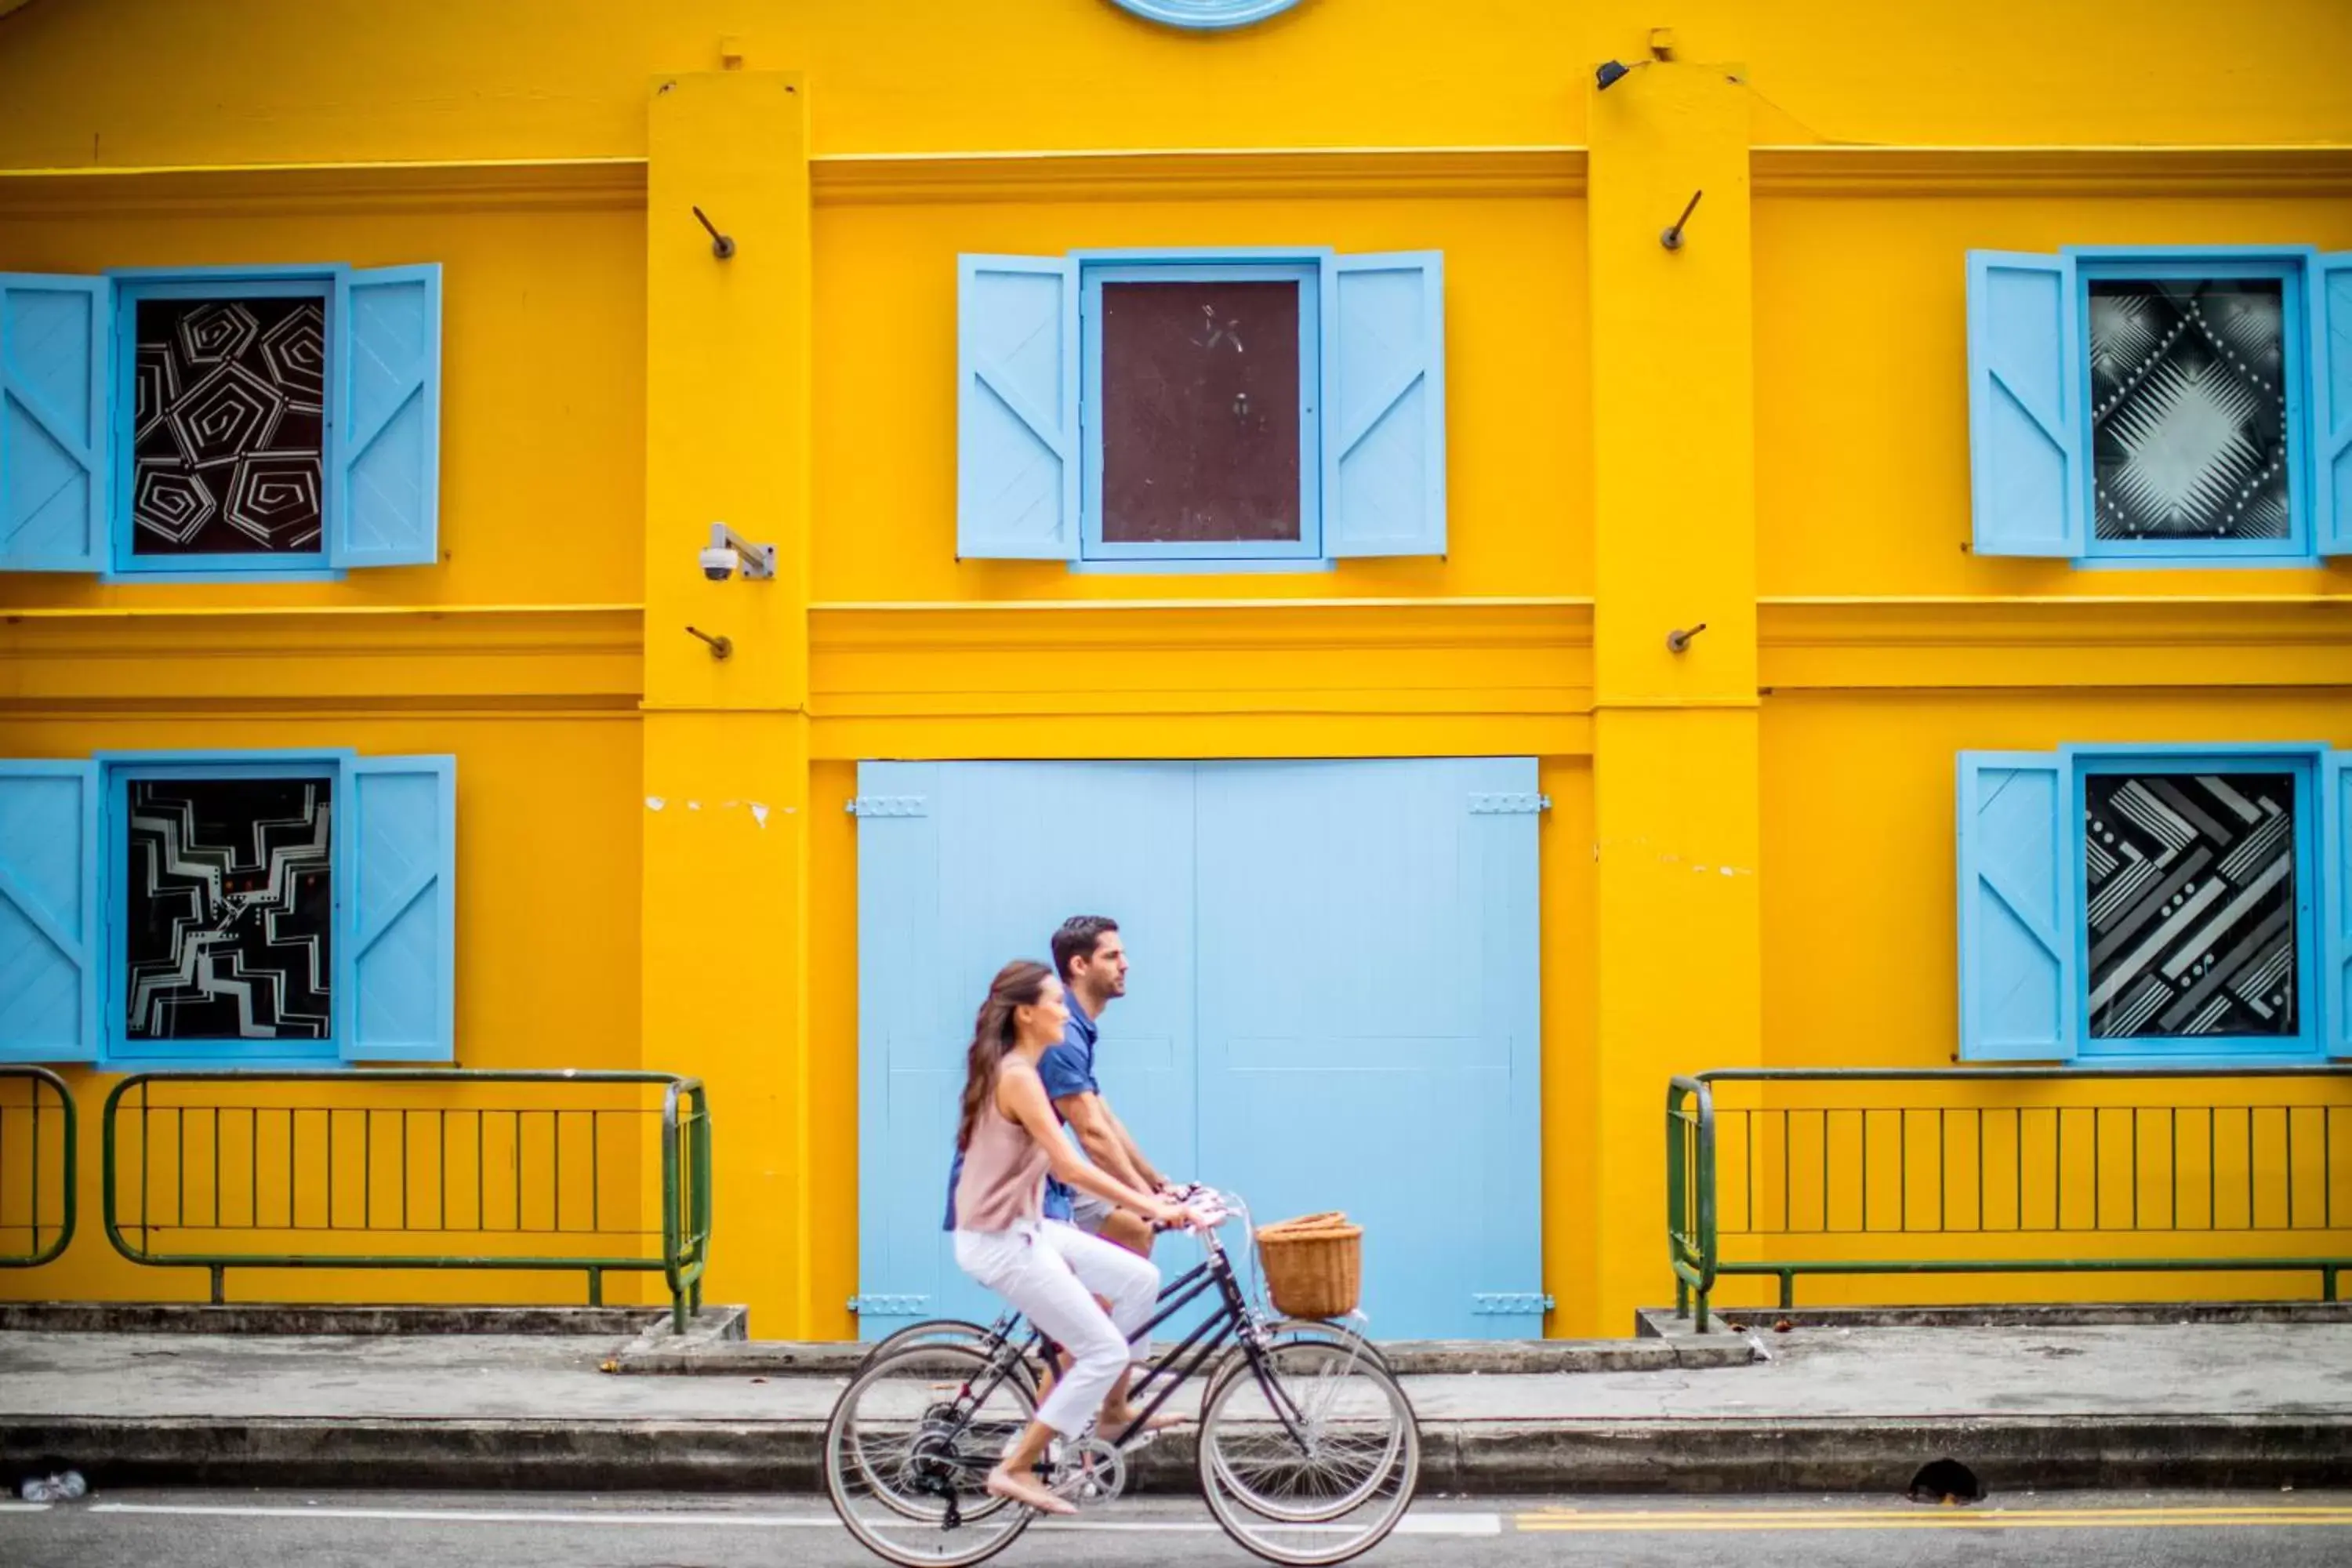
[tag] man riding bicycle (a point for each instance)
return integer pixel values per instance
(1092, 962)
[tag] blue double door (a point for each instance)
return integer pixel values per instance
(1332, 1003)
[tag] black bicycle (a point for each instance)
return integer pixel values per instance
(1306, 1448)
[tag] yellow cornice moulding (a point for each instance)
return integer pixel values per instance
(1841, 170)
(248, 189)
(1240, 172)
(1064, 174)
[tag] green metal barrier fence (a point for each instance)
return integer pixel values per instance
(2004, 1171)
(39, 1167)
(535, 1171)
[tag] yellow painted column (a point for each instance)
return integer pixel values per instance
(724, 906)
(1676, 762)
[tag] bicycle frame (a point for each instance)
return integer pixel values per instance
(1232, 1320)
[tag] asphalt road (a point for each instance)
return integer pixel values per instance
(375, 1530)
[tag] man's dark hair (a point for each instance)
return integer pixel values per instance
(1077, 939)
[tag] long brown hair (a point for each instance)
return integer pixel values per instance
(1020, 983)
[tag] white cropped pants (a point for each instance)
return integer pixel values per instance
(1053, 1272)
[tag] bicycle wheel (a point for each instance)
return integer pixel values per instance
(1310, 1458)
(907, 1451)
(1292, 1330)
(948, 1332)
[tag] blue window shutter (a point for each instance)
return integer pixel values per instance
(2331, 382)
(1384, 404)
(2018, 935)
(384, 495)
(2335, 899)
(397, 896)
(53, 403)
(49, 912)
(2025, 437)
(1017, 407)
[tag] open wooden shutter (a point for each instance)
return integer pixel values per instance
(1384, 404)
(49, 900)
(2018, 969)
(53, 413)
(396, 945)
(1017, 462)
(384, 498)
(2025, 440)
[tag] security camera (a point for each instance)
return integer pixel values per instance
(728, 552)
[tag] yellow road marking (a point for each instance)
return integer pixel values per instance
(1569, 1522)
(2266, 1510)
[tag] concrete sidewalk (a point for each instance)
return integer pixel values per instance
(1833, 1408)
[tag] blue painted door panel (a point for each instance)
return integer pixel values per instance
(1002, 853)
(1363, 995)
(1369, 1017)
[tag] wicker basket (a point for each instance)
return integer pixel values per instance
(1314, 1264)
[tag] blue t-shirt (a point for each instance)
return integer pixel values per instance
(1067, 1068)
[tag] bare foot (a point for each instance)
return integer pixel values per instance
(1003, 1483)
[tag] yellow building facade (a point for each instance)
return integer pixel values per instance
(1748, 859)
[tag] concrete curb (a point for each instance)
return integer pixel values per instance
(189, 1318)
(1660, 1322)
(713, 1351)
(1469, 1457)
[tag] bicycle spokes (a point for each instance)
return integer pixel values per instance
(909, 1449)
(1310, 1456)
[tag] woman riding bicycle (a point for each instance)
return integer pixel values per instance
(1048, 1269)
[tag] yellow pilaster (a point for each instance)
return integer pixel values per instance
(726, 739)
(1676, 758)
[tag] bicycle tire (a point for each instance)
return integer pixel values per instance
(931, 1329)
(1315, 1533)
(954, 1331)
(885, 1513)
(1292, 1330)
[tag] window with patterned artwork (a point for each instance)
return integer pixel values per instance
(231, 908)
(222, 423)
(2162, 408)
(2155, 904)
(1200, 410)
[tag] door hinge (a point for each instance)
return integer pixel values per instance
(1508, 805)
(886, 806)
(890, 1306)
(1509, 1304)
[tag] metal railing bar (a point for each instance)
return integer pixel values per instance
(2249, 1167)
(390, 1230)
(2273, 1133)
(41, 1086)
(678, 1247)
(1714, 1075)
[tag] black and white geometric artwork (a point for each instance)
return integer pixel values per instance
(2190, 897)
(231, 907)
(2188, 409)
(226, 443)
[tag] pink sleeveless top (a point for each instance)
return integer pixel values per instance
(1004, 1180)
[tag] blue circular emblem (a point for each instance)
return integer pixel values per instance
(1205, 16)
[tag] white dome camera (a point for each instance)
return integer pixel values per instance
(729, 553)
